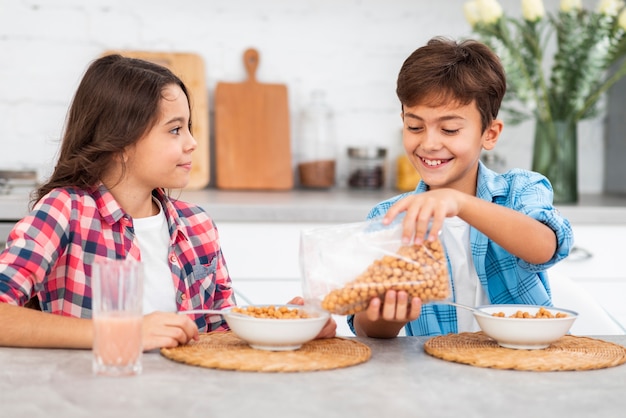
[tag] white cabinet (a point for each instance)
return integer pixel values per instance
(606, 248)
(596, 266)
(264, 262)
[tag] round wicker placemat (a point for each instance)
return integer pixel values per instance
(224, 350)
(568, 353)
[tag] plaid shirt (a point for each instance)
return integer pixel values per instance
(50, 253)
(504, 277)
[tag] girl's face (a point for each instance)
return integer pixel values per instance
(162, 157)
(444, 143)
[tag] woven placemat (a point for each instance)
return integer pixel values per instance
(224, 350)
(568, 353)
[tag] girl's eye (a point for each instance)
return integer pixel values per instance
(414, 128)
(450, 131)
(175, 131)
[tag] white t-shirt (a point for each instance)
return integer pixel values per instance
(153, 236)
(468, 289)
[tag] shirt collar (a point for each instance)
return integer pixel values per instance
(108, 207)
(171, 215)
(112, 212)
(490, 185)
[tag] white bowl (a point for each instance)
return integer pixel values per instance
(523, 333)
(277, 334)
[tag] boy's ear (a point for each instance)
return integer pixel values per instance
(492, 133)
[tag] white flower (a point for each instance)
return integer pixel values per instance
(621, 19)
(533, 10)
(490, 11)
(571, 5)
(610, 7)
(472, 14)
(559, 90)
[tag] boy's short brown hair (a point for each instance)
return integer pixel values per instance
(445, 71)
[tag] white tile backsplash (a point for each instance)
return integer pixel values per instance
(351, 48)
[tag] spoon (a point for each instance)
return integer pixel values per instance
(212, 311)
(469, 308)
(204, 311)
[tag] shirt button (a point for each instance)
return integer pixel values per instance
(183, 297)
(173, 259)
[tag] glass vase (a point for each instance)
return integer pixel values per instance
(555, 156)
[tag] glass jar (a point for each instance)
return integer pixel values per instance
(366, 167)
(316, 146)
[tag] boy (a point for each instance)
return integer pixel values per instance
(501, 230)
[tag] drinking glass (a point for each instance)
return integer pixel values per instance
(117, 290)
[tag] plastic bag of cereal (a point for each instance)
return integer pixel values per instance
(345, 266)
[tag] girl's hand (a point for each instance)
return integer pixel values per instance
(425, 213)
(329, 330)
(167, 329)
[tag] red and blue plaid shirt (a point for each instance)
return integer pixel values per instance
(50, 253)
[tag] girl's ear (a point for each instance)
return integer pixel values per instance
(492, 133)
(121, 156)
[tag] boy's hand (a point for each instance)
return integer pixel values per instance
(425, 213)
(385, 320)
(396, 308)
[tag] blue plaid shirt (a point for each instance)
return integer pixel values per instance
(504, 277)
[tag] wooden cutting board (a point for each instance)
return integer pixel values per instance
(252, 139)
(190, 68)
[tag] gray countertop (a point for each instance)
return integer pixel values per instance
(400, 380)
(335, 205)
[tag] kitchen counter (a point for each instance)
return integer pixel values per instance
(400, 380)
(335, 205)
(343, 205)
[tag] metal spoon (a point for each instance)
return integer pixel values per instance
(469, 308)
(204, 311)
(212, 311)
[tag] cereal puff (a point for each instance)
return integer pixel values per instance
(420, 270)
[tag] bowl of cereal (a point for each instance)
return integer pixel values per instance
(527, 327)
(276, 327)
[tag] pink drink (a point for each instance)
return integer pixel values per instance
(117, 287)
(117, 345)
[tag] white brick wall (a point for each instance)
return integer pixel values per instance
(351, 48)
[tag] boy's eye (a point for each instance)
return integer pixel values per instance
(414, 128)
(450, 131)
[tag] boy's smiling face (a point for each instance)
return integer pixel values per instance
(444, 143)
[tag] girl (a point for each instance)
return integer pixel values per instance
(127, 140)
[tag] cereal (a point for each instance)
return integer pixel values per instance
(541, 313)
(271, 312)
(420, 270)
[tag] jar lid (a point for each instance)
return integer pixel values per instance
(367, 152)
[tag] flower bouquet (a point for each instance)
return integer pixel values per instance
(556, 91)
